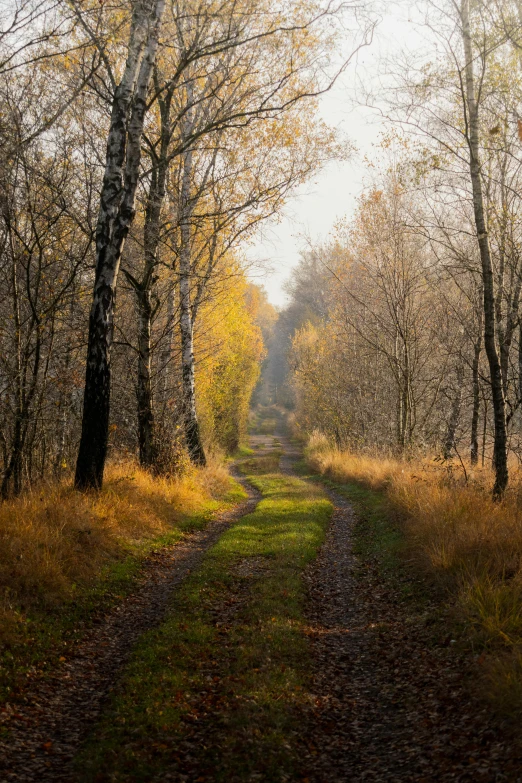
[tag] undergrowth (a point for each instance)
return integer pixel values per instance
(469, 546)
(66, 555)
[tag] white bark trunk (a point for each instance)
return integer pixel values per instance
(192, 433)
(116, 213)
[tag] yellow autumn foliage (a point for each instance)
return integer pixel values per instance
(229, 350)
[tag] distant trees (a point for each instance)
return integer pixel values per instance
(368, 365)
(44, 247)
(229, 70)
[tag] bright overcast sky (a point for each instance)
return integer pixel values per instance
(332, 195)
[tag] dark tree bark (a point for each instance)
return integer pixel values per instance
(473, 139)
(474, 452)
(116, 213)
(27, 375)
(520, 361)
(143, 289)
(449, 440)
(144, 386)
(192, 433)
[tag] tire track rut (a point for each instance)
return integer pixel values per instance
(44, 727)
(392, 698)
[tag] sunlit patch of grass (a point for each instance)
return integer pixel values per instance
(66, 554)
(268, 463)
(341, 466)
(243, 451)
(236, 627)
(468, 544)
(495, 608)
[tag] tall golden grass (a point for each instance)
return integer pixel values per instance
(55, 540)
(470, 544)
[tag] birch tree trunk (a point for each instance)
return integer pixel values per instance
(115, 216)
(473, 138)
(143, 289)
(167, 350)
(192, 433)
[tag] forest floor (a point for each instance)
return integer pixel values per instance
(288, 641)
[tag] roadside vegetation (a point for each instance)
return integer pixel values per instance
(464, 542)
(216, 690)
(66, 556)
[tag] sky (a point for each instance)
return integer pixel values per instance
(331, 195)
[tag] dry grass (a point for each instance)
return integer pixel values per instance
(470, 544)
(55, 541)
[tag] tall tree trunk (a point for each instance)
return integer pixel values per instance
(192, 433)
(115, 216)
(520, 362)
(474, 452)
(62, 438)
(26, 393)
(151, 238)
(167, 350)
(144, 386)
(508, 334)
(497, 390)
(449, 440)
(14, 448)
(484, 431)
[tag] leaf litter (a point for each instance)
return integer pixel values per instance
(393, 699)
(42, 728)
(389, 697)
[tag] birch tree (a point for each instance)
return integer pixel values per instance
(116, 212)
(472, 118)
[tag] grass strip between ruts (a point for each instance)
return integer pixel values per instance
(214, 693)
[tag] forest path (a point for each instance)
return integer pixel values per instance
(228, 688)
(217, 693)
(43, 729)
(392, 702)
